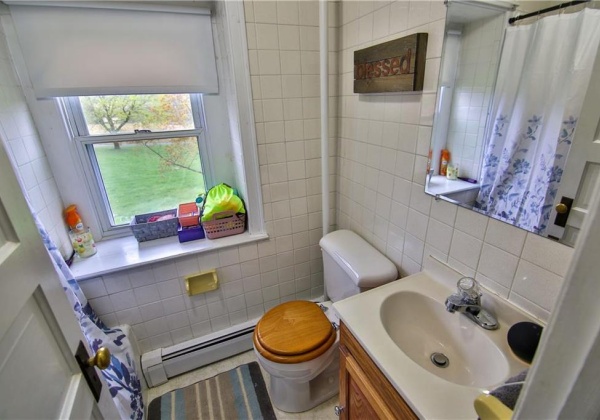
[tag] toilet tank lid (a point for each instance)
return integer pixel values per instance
(359, 259)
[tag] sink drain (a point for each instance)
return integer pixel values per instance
(440, 360)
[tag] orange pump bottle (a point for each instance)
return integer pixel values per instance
(73, 219)
(445, 158)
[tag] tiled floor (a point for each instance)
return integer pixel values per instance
(323, 411)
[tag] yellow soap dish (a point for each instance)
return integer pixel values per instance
(201, 282)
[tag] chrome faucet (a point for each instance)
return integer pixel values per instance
(467, 300)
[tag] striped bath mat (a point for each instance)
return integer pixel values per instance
(237, 394)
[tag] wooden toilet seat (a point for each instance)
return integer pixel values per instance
(294, 332)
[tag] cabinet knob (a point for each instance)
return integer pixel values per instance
(338, 410)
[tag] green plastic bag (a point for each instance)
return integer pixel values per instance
(221, 198)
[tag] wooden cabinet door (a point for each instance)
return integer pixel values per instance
(357, 395)
(365, 392)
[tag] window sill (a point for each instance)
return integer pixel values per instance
(124, 253)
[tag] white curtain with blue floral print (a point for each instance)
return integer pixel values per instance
(123, 384)
(543, 76)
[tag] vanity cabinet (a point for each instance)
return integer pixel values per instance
(365, 393)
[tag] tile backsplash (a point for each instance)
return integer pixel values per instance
(153, 299)
(378, 161)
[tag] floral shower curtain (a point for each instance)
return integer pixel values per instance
(543, 76)
(123, 384)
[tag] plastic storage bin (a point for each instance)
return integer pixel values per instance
(188, 214)
(144, 231)
(190, 233)
(223, 224)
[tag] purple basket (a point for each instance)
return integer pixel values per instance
(190, 233)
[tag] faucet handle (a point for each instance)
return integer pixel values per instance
(468, 287)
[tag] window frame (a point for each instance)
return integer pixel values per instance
(232, 124)
(78, 131)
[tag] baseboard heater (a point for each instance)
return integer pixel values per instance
(161, 364)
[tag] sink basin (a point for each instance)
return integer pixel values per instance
(420, 326)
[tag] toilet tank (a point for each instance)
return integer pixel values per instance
(351, 265)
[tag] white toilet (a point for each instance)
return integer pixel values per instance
(297, 342)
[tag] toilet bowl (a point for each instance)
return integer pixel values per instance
(307, 375)
(296, 342)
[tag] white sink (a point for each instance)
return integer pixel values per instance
(402, 323)
(420, 326)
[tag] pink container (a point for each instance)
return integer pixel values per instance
(223, 224)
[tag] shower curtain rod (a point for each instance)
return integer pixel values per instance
(549, 9)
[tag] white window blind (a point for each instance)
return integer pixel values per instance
(104, 49)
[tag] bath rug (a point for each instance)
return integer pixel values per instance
(240, 393)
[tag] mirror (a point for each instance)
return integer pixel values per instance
(508, 103)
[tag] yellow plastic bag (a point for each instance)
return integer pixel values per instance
(221, 198)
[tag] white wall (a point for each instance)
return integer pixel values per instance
(479, 56)
(283, 46)
(384, 140)
(284, 65)
(20, 138)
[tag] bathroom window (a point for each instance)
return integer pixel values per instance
(140, 153)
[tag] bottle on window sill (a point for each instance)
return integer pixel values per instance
(452, 172)
(81, 237)
(83, 243)
(73, 219)
(445, 159)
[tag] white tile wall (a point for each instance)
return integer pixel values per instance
(283, 48)
(480, 46)
(522, 267)
(19, 137)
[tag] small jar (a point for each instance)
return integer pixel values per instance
(83, 243)
(452, 172)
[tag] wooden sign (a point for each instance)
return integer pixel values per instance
(394, 66)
